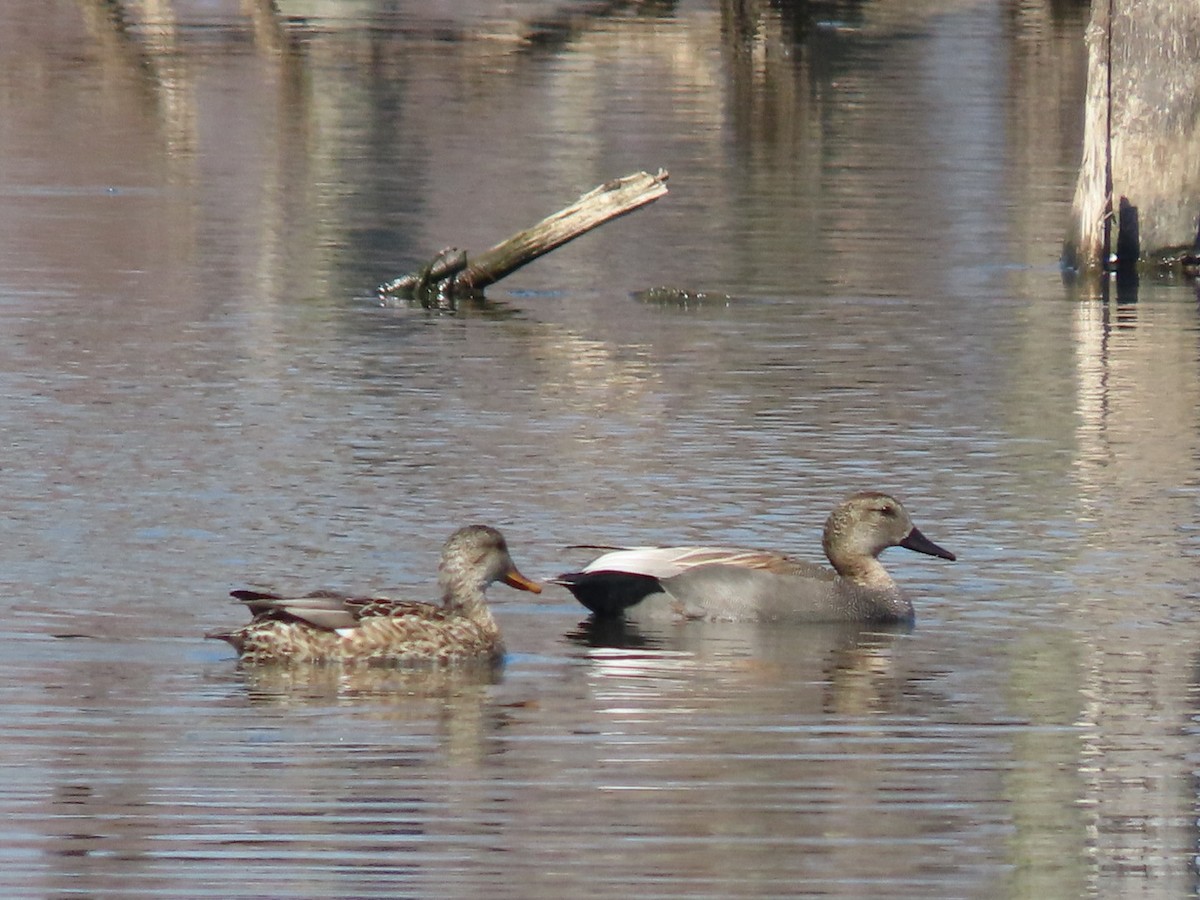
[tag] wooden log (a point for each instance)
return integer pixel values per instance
(451, 273)
(1138, 190)
(445, 265)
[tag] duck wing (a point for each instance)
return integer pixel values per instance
(667, 562)
(329, 610)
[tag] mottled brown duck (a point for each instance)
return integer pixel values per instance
(324, 627)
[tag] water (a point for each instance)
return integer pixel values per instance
(199, 392)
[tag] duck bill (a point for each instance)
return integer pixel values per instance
(514, 578)
(920, 543)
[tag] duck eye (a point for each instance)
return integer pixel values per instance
(889, 511)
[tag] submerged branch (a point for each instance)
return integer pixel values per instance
(449, 273)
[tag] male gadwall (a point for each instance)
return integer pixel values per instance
(327, 627)
(732, 583)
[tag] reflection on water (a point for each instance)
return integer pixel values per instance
(198, 390)
(286, 684)
(850, 664)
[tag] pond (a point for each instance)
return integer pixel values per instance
(201, 392)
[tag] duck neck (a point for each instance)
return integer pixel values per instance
(464, 597)
(862, 569)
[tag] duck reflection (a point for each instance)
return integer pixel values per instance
(615, 632)
(846, 667)
(453, 707)
(301, 684)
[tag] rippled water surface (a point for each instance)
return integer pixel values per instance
(199, 391)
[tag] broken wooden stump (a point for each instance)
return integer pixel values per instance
(450, 273)
(1137, 193)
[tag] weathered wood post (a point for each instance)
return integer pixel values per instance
(1138, 191)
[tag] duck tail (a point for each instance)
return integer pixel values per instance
(232, 637)
(258, 602)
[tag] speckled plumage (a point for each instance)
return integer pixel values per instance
(325, 627)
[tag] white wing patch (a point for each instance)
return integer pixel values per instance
(666, 562)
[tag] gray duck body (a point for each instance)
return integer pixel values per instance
(736, 584)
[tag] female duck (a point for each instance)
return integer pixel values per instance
(733, 583)
(327, 627)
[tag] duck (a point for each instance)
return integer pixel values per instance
(738, 584)
(327, 627)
